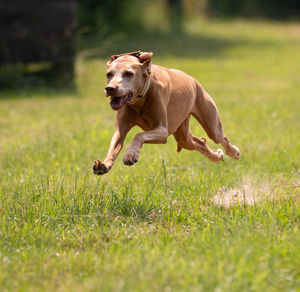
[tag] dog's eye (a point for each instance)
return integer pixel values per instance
(109, 75)
(128, 74)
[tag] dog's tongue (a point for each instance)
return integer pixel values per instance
(116, 103)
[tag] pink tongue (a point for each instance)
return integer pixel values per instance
(116, 103)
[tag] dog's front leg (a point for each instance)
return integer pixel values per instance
(114, 149)
(157, 136)
(123, 125)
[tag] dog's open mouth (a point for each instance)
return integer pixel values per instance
(118, 102)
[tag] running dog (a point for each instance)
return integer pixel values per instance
(160, 101)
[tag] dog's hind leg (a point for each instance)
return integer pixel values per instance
(206, 113)
(186, 140)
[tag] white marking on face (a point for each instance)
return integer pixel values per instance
(127, 77)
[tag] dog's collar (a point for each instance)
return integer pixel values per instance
(146, 87)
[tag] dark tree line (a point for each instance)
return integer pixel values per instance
(122, 15)
(275, 9)
(126, 15)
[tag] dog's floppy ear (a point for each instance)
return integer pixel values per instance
(114, 57)
(145, 59)
(145, 56)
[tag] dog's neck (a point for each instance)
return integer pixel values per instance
(146, 86)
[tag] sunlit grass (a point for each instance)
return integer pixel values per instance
(153, 226)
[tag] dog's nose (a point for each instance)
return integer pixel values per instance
(111, 89)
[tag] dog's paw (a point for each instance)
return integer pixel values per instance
(131, 157)
(219, 155)
(234, 152)
(99, 168)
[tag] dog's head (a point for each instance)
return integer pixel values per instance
(126, 77)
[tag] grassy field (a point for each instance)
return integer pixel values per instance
(156, 226)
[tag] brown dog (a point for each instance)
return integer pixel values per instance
(160, 101)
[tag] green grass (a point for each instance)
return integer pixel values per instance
(153, 226)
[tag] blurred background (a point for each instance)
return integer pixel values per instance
(42, 41)
(153, 226)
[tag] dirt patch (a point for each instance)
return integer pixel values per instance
(249, 193)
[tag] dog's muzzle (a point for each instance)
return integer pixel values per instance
(117, 102)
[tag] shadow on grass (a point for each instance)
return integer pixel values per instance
(162, 45)
(32, 91)
(17, 82)
(93, 47)
(24, 76)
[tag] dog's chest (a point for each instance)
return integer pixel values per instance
(145, 123)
